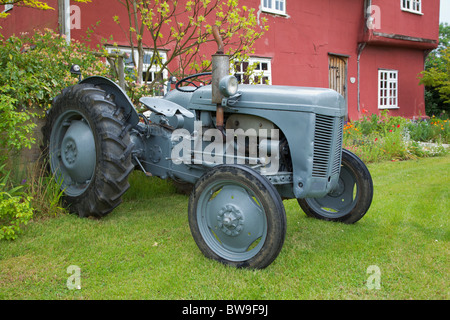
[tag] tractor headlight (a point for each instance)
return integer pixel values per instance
(228, 86)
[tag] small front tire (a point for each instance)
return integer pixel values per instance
(351, 199)
(237, 217)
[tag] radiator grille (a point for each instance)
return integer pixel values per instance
(324, 153)
(338, 152)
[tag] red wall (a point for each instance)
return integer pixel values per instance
(394, 20)
(300, 43)
(23, 19)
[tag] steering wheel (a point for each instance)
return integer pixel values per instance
(187, 80)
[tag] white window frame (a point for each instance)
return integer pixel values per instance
(8, 7)
(274, 6)
(262, 73)
(388, 89)
(131, 66)
(413, 6)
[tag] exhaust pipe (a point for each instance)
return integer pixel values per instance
(220, 69)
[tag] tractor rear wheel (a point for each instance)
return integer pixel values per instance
(350, 200)
(89, 149)
(237, 217)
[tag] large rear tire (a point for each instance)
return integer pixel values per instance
(89, 149)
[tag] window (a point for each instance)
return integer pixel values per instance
(274, 6)
(387, 89)
(8, 7)
(130, 68)
(414, 6)
(259, 68)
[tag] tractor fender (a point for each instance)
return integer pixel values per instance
(120, 97)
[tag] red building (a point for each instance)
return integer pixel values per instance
(371, 51)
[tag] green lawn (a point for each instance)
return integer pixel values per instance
(144, 249)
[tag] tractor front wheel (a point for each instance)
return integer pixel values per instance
(351, 198)
(237, 217)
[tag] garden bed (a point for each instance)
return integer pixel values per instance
(379, 138)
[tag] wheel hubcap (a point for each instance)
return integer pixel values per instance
(72, 152)
(230, 220)
(78, 151)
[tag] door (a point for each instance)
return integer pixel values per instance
(337, 74)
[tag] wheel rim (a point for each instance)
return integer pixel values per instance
(232, 220)
(72, 152)
(341, 200)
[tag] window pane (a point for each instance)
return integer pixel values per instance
(129, 61)
(147, 58)
(244, 67)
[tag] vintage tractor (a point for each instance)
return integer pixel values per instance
(241, 149)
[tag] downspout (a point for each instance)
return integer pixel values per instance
(64, 18)
(361, 47)
(67, 20)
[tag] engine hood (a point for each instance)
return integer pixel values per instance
(282, 98)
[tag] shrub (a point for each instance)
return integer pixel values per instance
(15, 208)
(15, 211)
(374, 138)
(36, 67)
(430, 130)
(15, 127)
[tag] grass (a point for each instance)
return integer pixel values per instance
(144, 249)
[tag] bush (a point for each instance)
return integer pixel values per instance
(15, 127)
(15, 208)
(430, 130)
(36, 67)
(374, 138)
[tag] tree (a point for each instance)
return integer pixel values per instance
(31, 4)
(183, 28)
(436, 76)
